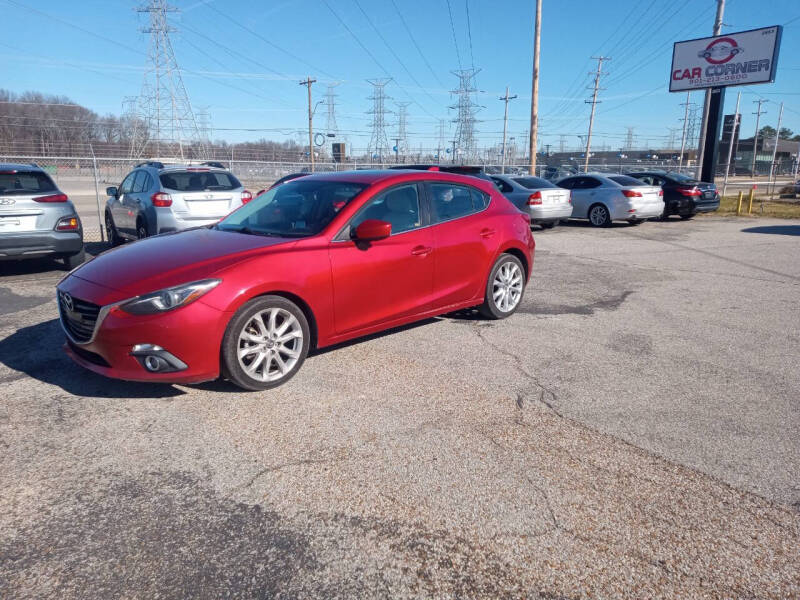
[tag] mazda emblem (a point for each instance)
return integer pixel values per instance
(67, 300)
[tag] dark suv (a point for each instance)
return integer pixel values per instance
(683, 195)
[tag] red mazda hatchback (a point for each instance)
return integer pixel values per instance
(310, 263)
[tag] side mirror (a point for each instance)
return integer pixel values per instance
(372, 230)
(112, 191)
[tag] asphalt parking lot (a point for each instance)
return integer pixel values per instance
(632, 432)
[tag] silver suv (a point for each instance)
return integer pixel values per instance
(157, 198)
(36, 218)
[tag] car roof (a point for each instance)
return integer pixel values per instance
(373, 176)
(20, 167)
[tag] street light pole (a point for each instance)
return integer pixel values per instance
(308, 81)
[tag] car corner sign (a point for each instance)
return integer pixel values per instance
(740, 58)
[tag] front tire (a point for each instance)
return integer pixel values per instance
(141, 229)
(504, 288)
(111, 232)
(265, 343)
(599, 216)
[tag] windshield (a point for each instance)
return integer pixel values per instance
(625, 181)
(199, 180)
(25, 182)
(297, 208)
(681, 178)
(533, 183)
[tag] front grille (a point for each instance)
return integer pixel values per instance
(91, 357)
(78, 316)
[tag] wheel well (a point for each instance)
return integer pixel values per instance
(303, 305)
(521, 256)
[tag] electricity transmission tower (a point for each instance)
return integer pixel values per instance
(562, 143)
(204, 124)
(441, 145)
(467, 108)
(378, 143)
(166, 115)
(593, 102)
(402, 133)
(330, 103)
(629, 139)
(671, 143)
(691, 127)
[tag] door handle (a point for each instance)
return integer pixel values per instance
(421, 250)
(487, 233)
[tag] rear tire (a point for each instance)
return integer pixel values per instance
(599, 215)
(504, 288)
(265, 343)
(111, 231)
(687, 217)
(141, 229)
(548, 225)
(75, 260)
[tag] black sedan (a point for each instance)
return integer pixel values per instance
(683, 195)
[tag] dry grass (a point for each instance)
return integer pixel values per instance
(779, 209)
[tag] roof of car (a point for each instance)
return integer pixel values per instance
(20, 167)
(371, 176)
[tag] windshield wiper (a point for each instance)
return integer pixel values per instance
(246, 230)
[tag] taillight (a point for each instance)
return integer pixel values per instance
(631, 194)
(689, 192)
(161, 199)
(52, 198)
(570, 197)
(660, 192)
(68, 224)
(535, 199)
(246, 197)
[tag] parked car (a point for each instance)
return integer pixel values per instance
(546, 203)
(472, 171)
(156, 198)
(249, 296)
(683, 195)
(36, 218)
(606, 198)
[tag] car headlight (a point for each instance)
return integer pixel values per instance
(169, 298)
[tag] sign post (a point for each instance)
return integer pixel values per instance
(718, 62)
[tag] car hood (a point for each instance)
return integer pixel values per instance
(174, 258)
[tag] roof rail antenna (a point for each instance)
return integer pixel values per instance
(214, 163)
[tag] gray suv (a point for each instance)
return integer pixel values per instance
(36, 218)
(157, 198)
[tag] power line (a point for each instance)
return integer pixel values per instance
(416, 45)
(469, 34)
(453, 29)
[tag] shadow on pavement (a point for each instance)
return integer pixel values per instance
(36, 352)
(774, 229)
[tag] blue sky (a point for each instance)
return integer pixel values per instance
(93, 52)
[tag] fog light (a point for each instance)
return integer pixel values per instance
(153, 363)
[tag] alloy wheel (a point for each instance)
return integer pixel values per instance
(598, 215)
(270, 344)
(507, 287)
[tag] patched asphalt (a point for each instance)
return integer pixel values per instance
(632, 432)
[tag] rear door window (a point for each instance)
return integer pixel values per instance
(450, 202)
(199, 181)
(25, 182)
(569, 183)
(139, 182)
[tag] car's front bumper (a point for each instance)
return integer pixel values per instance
(193, 334)
(15, 246)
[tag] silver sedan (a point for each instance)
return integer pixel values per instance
(604, 198)
(546, 203)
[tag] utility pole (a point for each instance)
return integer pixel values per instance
(730, 143)
(593, 102)
(707, 105)
(308, 81)
(774, 154)
(683, 137)
(506, 98)
(758, 114)
(537, 34)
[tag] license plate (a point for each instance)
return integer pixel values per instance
(210, 208)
